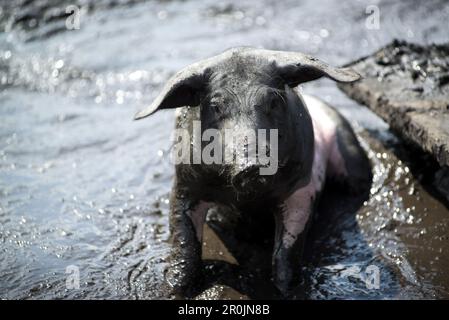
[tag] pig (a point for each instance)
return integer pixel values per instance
(245, 89)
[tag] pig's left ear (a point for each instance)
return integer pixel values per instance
(296, 68)
(181, 90)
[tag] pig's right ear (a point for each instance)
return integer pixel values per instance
(181, 90)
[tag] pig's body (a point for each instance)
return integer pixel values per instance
(246, 88)
(337, 157)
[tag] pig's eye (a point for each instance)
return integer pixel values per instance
(215, 107)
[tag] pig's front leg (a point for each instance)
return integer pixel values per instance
(291, 227)
(187, 217)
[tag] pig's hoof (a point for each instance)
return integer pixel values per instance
(183, 279)
(286, 280)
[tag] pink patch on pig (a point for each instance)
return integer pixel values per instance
(198, 216)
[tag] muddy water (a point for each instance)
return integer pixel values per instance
(82, 185)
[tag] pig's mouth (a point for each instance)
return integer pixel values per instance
(249, 183)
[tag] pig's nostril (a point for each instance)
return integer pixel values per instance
(245, 177)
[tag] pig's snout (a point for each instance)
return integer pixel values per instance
(249, 179)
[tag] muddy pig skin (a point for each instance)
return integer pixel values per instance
(246, 89)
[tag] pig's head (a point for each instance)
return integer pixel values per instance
(242, 91)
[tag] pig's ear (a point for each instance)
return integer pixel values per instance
(296, 68)
(181, 90)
